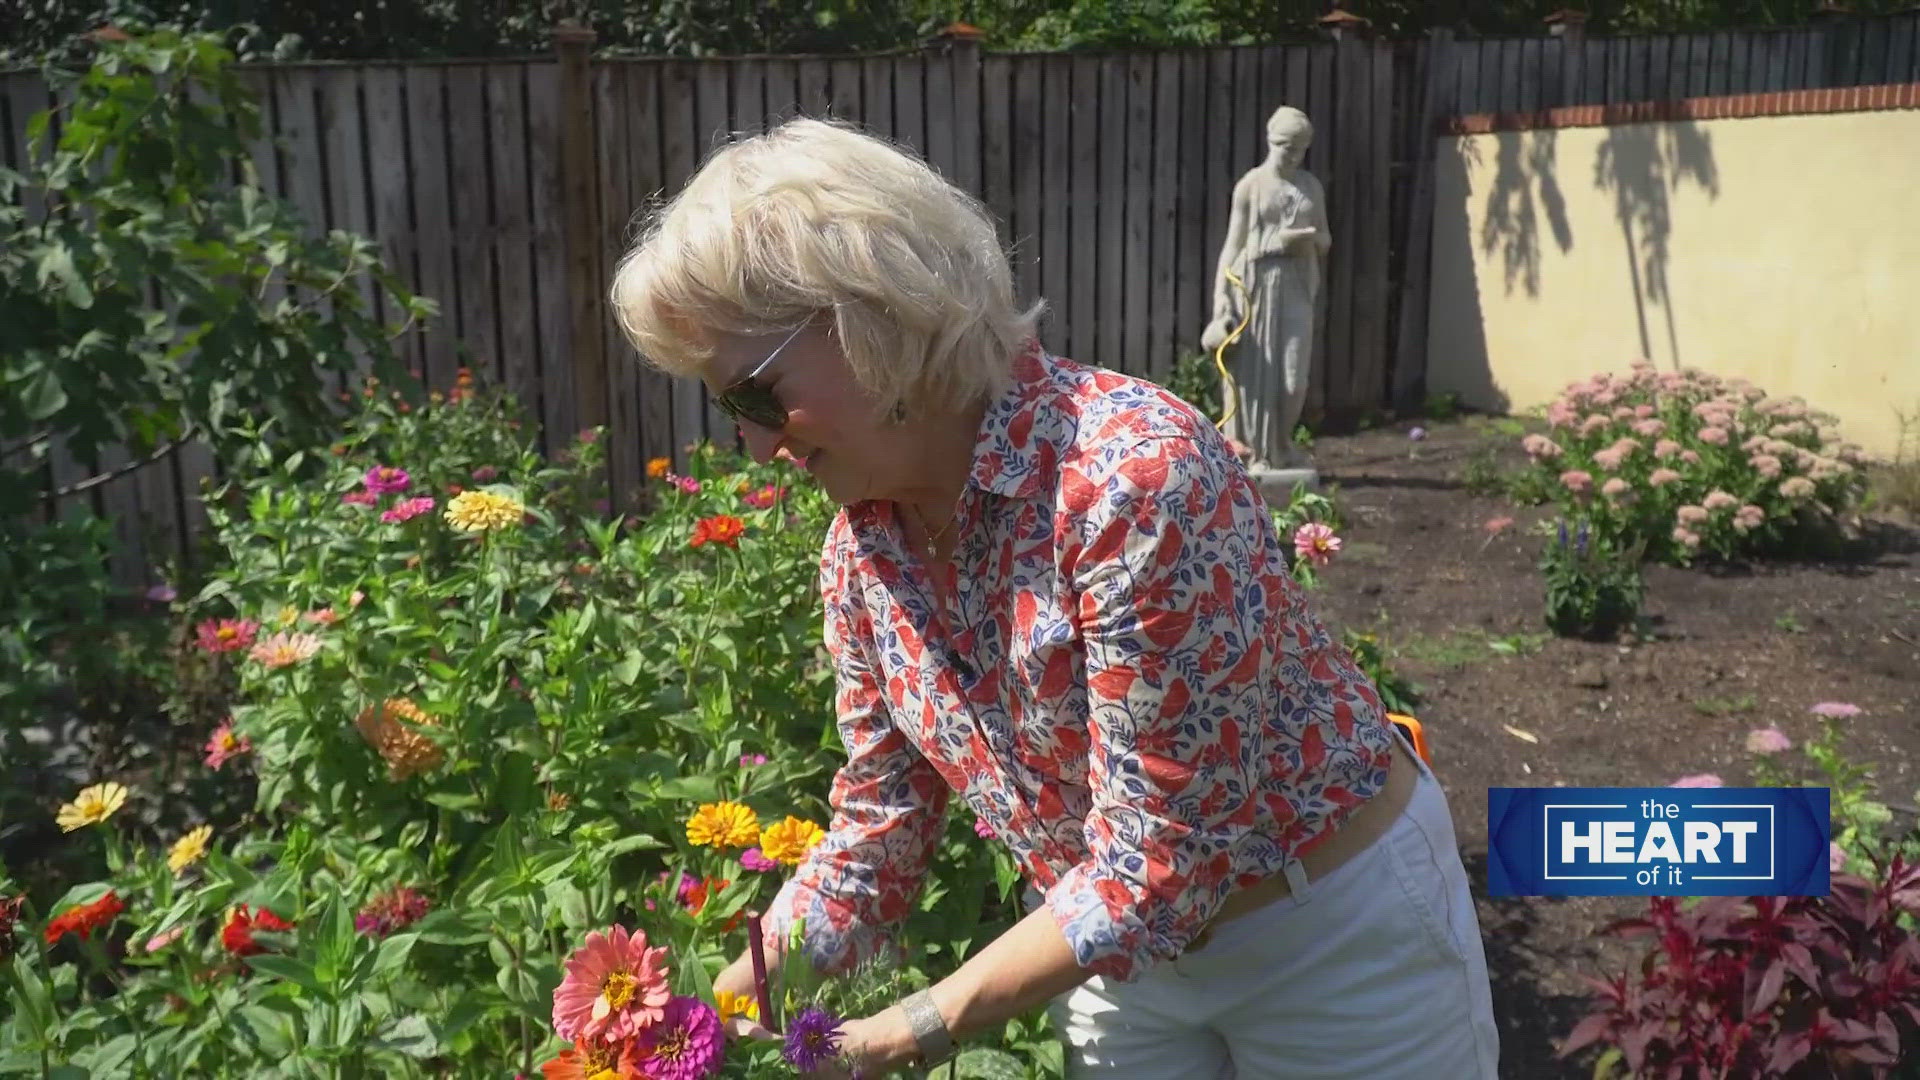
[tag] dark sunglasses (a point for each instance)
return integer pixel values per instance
(747, 398)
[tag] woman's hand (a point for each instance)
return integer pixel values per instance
(871, 1047)
(738, 979)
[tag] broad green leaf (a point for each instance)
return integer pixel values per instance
(409, 1035)
(110, 1057)
(41, 395)
(392, 954)
(290, 968)
(446, 927)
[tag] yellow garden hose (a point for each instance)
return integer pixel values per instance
(1220, 353)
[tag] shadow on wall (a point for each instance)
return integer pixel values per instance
(1524, 164)
(1641, 165)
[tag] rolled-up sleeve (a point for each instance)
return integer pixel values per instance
(1174, 555)
(888, 803)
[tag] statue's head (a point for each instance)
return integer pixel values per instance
(1289, 133)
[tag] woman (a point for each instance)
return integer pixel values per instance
(1053, 591)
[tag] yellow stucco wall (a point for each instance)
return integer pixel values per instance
(1782, 249)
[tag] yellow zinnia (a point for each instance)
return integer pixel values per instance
(732, 1005)
(789, 841)
(723, 825)
(481, 511)
(92, 806)
(189, 849)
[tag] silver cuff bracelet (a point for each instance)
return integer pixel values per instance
(930, 1032)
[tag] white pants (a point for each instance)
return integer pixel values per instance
(1376, 971)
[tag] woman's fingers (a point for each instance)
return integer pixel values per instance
(742, 1028)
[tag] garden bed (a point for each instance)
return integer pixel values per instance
(1459, 609)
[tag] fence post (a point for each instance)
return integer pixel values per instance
(1436, 100)
(1571, 28)
(579, 189)
(962, 44)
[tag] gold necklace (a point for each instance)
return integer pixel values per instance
(933, 538)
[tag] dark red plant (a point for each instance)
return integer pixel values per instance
(1768, 987)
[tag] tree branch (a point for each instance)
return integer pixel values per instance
(25, 444)
(92, 482)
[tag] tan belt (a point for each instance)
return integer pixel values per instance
(1355, 835)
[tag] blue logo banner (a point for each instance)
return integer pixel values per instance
(1658, 841)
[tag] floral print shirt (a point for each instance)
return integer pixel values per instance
(1118, 676)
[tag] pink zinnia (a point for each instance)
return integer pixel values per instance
(1836, 710)
(1768, 740)
(613, 988)
(1702, 780)
(227, 635)
(982, 830)
(687, 484)
(1315, 543)
(762, 499)
(686, 1043)
(756, 860)
(359, 498)
(385, 480)
(408, 508)
(162, 940)
(224, 744)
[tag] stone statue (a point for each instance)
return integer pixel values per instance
(1277, 236)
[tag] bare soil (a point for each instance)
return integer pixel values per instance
(1733, 648)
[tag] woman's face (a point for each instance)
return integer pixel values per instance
(830, 419)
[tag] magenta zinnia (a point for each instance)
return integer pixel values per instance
(613, 988)
(385, 480)
(225, 744)
(391, 912)
(1315, 543)
(406, 509)
(684, 1045)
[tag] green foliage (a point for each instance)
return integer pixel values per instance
(1196, 380)
(145, 296)
(1461, 647)
(1593, 583)
(1119, 24)
(1686, 463)
(574, 689)
(1863, 824)
(1303, 508)
(1397, 693)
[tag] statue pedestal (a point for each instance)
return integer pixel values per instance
(1276, 485)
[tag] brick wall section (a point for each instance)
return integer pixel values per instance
(1731, 107)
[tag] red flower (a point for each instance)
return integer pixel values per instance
(84, 919)
(237, 935)
(719, 529)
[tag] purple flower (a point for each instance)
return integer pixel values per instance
(812, 1038)
(385, 480)
(1417, 434)
(162, 594)
(747, 761)
(686, 1044)
(1836, 710)
(485, 474)
(755, 860)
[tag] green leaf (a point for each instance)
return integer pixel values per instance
(452, 928)
(630, 842)
(80, 894)
(392, 954)
(986, 1063)
(454, 800)
(409, 1035)
(56, 262)
(41, 394)
(35, 1002)
(691, 789)
(289, 968)
(68, 1072)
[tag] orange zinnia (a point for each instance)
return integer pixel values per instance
(719, 529)
(84, 919)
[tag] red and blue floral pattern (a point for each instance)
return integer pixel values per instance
(1118, 676)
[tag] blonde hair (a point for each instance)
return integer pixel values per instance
(817, 216)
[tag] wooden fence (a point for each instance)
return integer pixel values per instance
(507, 189)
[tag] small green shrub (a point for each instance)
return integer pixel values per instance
(1593, 583)
(1397, 693)
(1686, 463)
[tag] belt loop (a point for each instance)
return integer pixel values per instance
(1297, 881)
